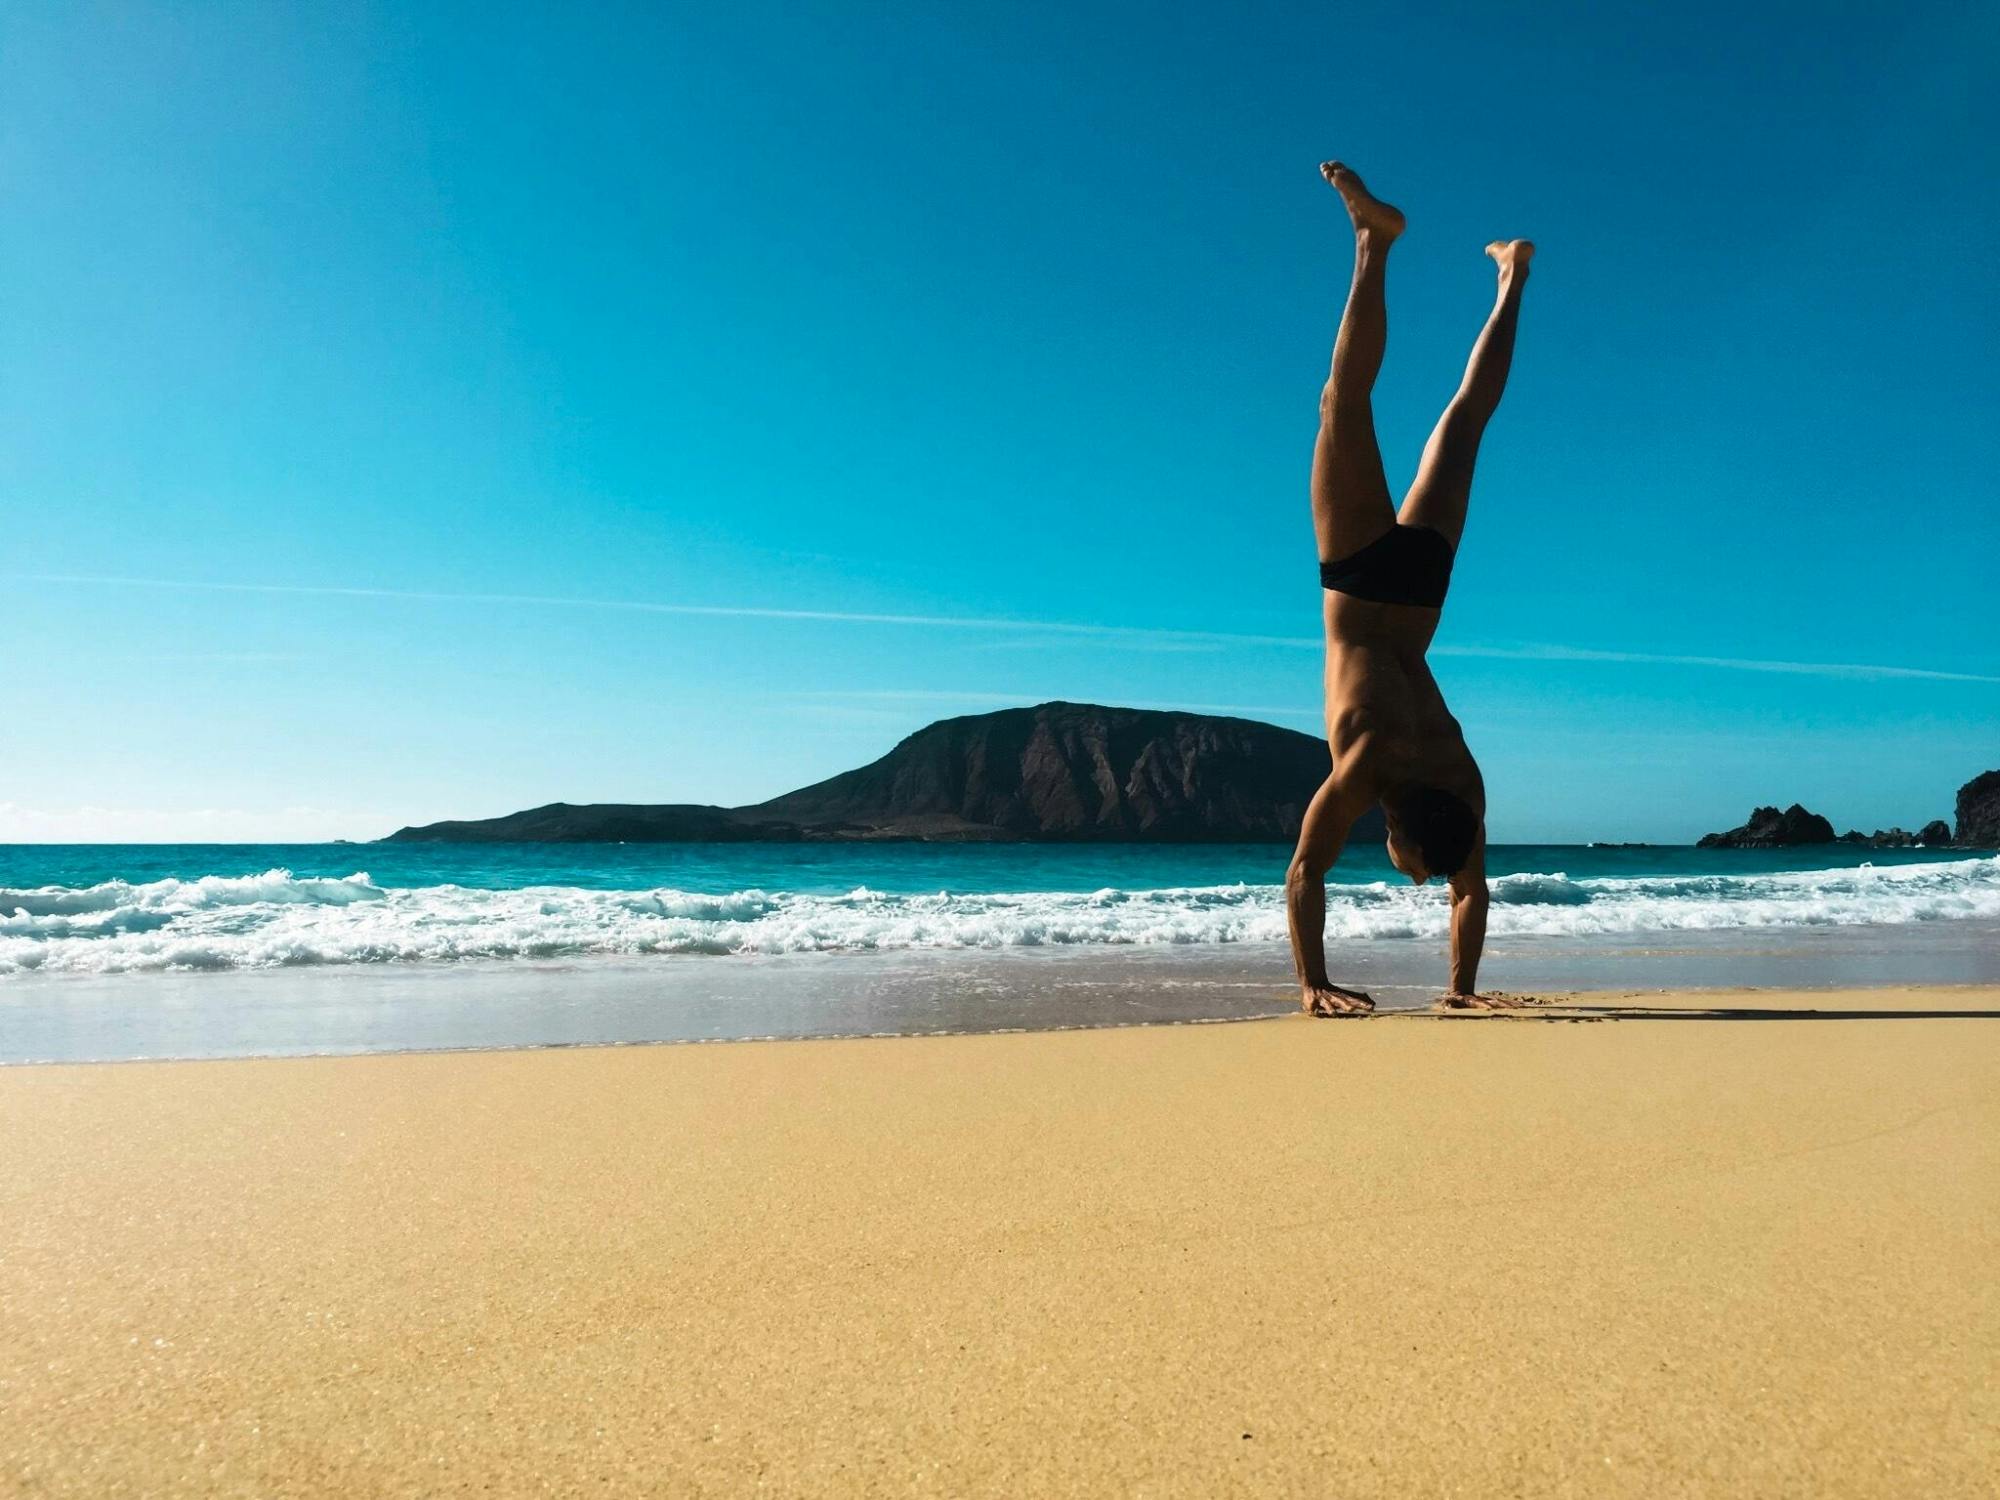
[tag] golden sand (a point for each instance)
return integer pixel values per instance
(1406, 1256)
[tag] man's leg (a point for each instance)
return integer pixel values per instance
(1444, 479)
(1350, 495)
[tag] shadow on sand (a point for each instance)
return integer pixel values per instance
(1539, 1012)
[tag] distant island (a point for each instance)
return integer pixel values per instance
(1059, 772)
(1978, 813)
(1086, 773)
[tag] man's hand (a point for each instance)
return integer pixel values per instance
(1332, 1000)
(1496, 1001)
(1328, 816)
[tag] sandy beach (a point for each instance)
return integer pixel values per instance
(1713, 1243)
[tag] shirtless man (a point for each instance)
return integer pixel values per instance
(1384, 572)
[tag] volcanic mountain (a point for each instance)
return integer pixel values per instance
(1060, 772)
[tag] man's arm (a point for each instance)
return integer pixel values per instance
(1328, 818)
(1468, 920)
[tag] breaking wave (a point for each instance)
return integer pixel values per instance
(274, 919)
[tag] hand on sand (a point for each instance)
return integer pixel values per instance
(1332, 1000)
(1495, 1001)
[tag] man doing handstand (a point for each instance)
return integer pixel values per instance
(1384, 572)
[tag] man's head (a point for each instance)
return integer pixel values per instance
(1431, 831)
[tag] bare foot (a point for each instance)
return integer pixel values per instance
(1368, 212)
(1495, 1001)
(1332, 1000)
(1512, 256)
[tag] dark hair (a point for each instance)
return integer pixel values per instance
(1442, 825)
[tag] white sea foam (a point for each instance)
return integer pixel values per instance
(273, 919)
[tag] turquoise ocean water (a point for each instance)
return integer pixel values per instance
(147, 950)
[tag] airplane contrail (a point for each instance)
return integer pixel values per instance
(1858, 671)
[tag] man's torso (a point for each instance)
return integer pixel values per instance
(1379, 688)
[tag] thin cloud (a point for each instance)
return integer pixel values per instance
(1854, 670)
(211, 657)
(655, 607)
(1044, 642)
(1135, 634)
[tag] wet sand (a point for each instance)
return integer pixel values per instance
(1718, 1243)
(416, 1007)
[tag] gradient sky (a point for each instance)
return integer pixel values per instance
(364, 369)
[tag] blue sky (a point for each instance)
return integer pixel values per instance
(362, 367)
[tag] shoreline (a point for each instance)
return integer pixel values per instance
(478, 1004)
(1573, 1005)
(1657, 1250)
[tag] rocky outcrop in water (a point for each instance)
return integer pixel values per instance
(600, 823)
(1888, 838)
(1979, 812)
(1770, 829)
(1061, 772)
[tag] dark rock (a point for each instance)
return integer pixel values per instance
(1069, 772)
(1979, 812)
(1770, 829)
(1935, 835)
(599, 823)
